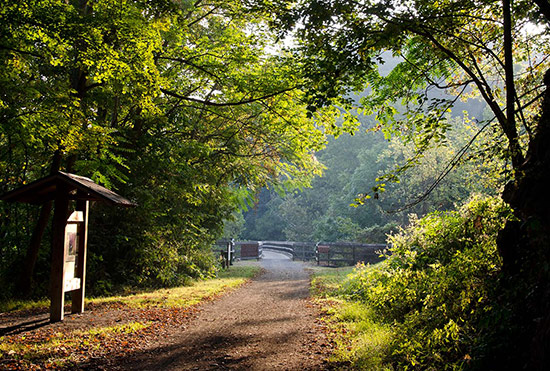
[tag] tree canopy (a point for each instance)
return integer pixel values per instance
(177, 105)
(459, 47)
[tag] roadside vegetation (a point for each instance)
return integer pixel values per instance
(139, 107)
(181, 296)
(431, 304)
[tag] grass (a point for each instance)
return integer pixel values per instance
(325, 281)
(361, 342)
(183, 296)
(12, 305)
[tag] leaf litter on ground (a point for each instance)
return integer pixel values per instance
(111, 327)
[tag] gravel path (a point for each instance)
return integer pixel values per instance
(268, 324)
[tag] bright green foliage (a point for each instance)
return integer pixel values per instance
(447, 51)
(365, 342)
(175, 105)
(362, 342)
(437, 289)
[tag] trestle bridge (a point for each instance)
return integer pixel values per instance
(323, 253)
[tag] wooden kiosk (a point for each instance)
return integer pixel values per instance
(71, 195)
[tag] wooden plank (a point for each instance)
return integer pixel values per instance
(249, 250)
(323, 249)
(58, 255)
(77, 296)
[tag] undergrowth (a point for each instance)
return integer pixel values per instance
(185, 296)
(431, 304)
(361, 342)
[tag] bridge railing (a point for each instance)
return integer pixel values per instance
(325, 253)
(304, 251)
(229, 250)
(248, 250)
(349, 253)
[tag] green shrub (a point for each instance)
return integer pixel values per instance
(436, 289)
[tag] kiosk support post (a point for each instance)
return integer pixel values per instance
(77, 296)
(58, 255)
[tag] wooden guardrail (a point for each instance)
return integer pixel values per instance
(348, 253)
(248, 250)
(304, 251)
(324, 253)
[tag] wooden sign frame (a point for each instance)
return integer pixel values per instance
(59, 284)
(65, 189)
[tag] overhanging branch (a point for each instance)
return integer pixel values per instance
(544, 6)
(450, 166)
(225, 104)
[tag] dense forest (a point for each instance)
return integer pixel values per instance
(177, 106)
(215, 118)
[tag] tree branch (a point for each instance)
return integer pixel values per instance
(226, 104)
(187, 62)
(544, 6)
(510, 124)
(450, 166)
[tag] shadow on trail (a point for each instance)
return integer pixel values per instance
(262, 326)
(212, 352)
(25, 326)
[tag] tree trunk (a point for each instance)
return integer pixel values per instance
(525, 247)
(24, 284)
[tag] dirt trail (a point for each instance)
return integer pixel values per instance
(265, 325)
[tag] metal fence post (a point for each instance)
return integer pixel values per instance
(317, 253)
(228, 254)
